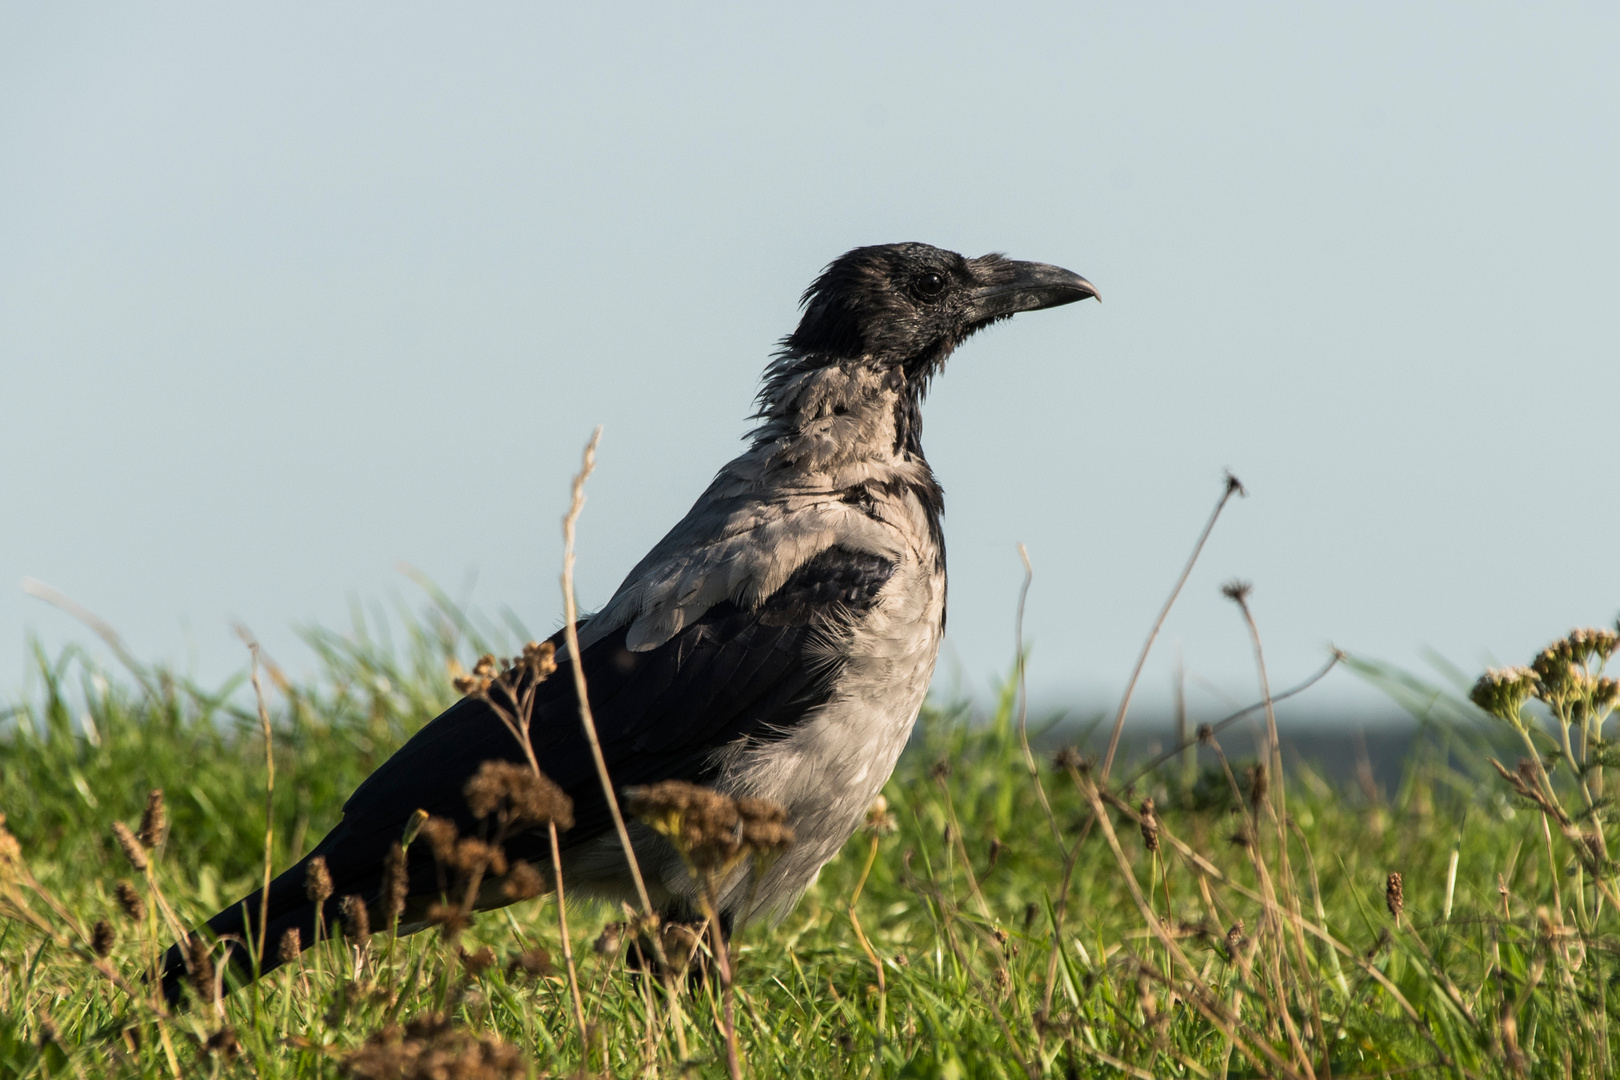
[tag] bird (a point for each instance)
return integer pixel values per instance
(776, 644)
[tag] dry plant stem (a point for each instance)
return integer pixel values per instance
(1233, 487)
(567, 944)
(1023, 698)
(1203, 998)
(1277, 803)
(571, 634)
(722, 963)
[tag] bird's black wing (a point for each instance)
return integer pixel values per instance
(661, 714)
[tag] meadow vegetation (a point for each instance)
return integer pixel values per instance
(1014, 909)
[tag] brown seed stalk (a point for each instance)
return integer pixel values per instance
(154, 821)
(132, 847)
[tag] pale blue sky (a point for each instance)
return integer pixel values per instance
(291, 293)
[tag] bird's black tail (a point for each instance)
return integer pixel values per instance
(238, 925)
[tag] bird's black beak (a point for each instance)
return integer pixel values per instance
(1027, 286)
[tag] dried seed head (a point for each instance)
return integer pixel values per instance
(518, 794)
(103, 937)
(711, 830)
(1394, 899)
(1206, 734)
(473, 856)
(539, 659)
(1502, 692)
(433, 1046)
(476, 963)
(1003, 980)
(879, 820)
(132, 847)
(481, 678)
(1234, 939)
(154, 821)
(200, 967)
(532, 963)
(994, 854)
(1257, 784)
(396, 884)
(130, 900)
(1234, 486)
(441, 834)
(451, 919)
(940, 770)
(291, 945)
(1150, 827)
(356, 920)
(318, 880)
(608, 941)
(1032, 912)
(1237, 590)
(523, 882)
(224, 1043)
(1068, 758)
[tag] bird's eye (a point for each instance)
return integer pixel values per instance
(929, 286)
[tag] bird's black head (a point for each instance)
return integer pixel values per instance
(911, 304)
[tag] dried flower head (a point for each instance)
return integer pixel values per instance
(1068, 758)
(472, 856)
(200, 967)
(132, 847)
(1237, 590)
(317, 880)
(712, 831)
(608, 941)
(1150, 827)
(356, 920)
(523, 882)
(532, 963)
(103, 937)
(476, 963)
(154, 821)
(224, 1043)
(290, 947)
(1234, 939)
(539, 659)
(396, 885)
(441, 835)
(433, 1047)
(940, 770)
(518, 795)
(130, 901)
(994, 854)
(1394, 898)
(1502, 692)
(479, 680)
(1206, 734)
(880, 821)
(451, 919)
(1258, 784)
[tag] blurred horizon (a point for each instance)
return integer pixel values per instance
(290, 297)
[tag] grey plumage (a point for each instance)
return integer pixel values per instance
(777, 642)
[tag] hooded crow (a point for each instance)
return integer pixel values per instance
(777, 643)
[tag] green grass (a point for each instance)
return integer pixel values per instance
(962, 909)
